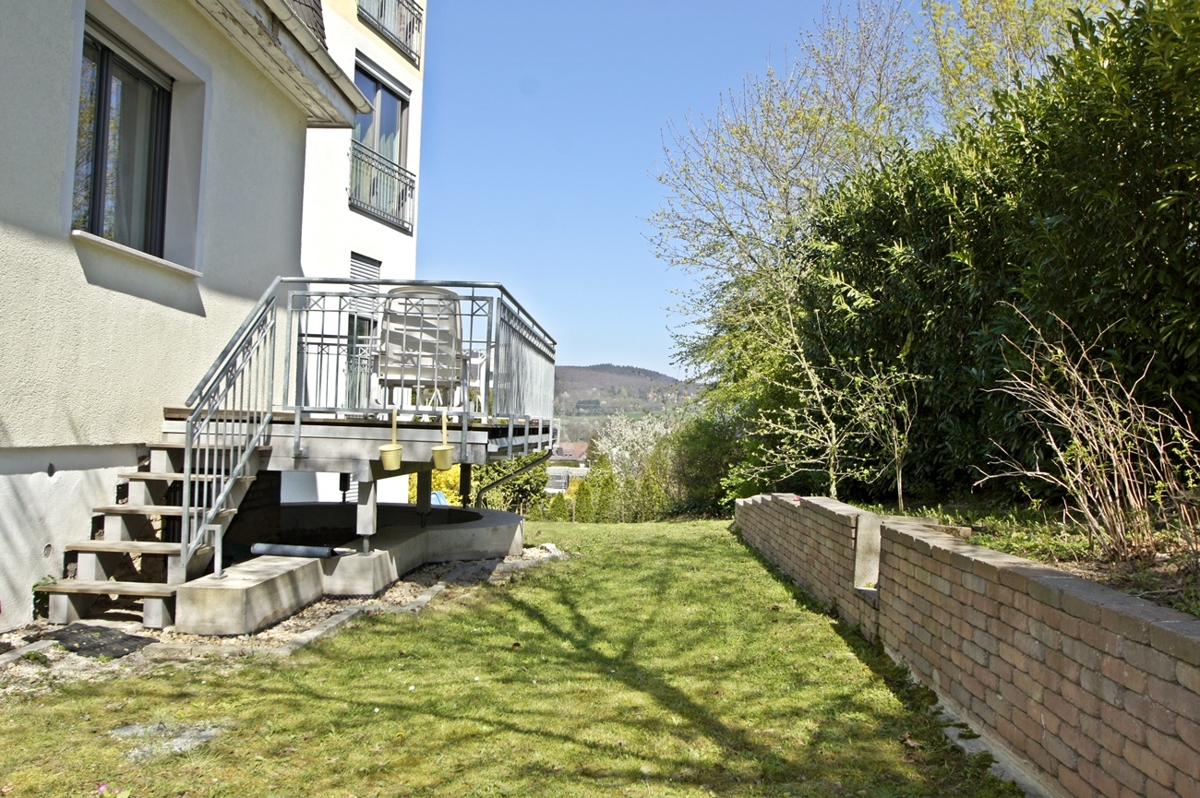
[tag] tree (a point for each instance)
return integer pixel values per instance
(705, 443)
(979, 47)
(517, 494)
(739, 184)
(629, 449)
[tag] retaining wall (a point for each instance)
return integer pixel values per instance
(1094, 692)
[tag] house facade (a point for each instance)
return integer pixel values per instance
(152, 156)
(361, 184)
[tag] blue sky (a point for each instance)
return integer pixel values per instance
(542, 132)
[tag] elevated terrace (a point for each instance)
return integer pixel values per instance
(324, 375)
(358, 361)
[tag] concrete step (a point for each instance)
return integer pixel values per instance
(125, 547)
(251, 595)
(148, 509)
(71, 599)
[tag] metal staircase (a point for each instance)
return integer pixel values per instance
(199, 480)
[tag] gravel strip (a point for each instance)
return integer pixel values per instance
(22, 674)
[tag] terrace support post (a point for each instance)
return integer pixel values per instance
(424, 492)
(367, 512)
(464, 483)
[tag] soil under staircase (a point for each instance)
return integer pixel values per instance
(156, 492)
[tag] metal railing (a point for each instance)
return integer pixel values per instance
(398, 21)
(381, 187)
(230, 419)
(359, 348)
(468, 348)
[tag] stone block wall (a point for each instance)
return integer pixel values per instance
(828, 547)
(1093, 692)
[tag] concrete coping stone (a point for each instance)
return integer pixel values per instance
(1178, 638)
(834, 507)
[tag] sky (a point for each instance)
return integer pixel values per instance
(542, 132)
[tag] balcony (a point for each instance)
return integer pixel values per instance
(381, 188)
(398, 21)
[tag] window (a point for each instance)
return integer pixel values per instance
(361, 331)
(379, 183)
(385, 129)
(121, 147)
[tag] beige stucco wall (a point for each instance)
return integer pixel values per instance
(97, 341)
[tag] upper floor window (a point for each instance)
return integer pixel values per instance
(379, 182)
(385, 129)
(121, 145)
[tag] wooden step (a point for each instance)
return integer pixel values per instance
(126, 547)
(170, 476)
(108, 588)
(184, 413)
(147, 509)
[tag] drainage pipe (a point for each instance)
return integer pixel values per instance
(287, 550)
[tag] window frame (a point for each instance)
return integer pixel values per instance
(397, 89)
(112, 50)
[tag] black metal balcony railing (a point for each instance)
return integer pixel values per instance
(398, 21)
(381, 187)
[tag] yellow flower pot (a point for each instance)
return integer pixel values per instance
(443, 457)
(389, 453)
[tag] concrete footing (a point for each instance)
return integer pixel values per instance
(250, 596)
(266, 589)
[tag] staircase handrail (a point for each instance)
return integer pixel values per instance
(230, 420)
(267, 297)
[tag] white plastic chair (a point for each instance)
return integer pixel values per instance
(421, 342)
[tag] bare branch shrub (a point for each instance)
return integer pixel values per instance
(1130, 470)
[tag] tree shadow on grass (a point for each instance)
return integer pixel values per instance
(946, 760)
(765, 736)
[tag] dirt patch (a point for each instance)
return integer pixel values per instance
(53, 664)
(163, 738)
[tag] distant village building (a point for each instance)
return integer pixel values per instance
(575, 453)
(568, 462)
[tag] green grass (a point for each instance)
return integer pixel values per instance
(661, 659)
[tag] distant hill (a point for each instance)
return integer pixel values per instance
(607, 389)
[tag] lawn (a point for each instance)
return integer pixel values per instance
(660, 659)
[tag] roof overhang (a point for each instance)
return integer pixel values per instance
(278, 42)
